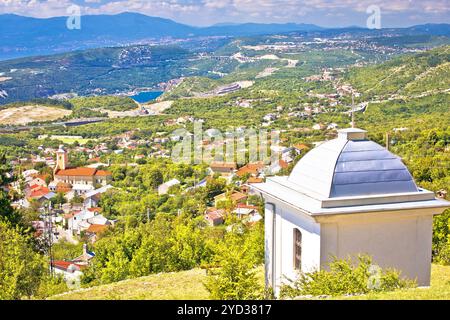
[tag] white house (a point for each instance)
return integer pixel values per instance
(345, 197)
(92, 198)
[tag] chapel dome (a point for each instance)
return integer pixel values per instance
(351, 165)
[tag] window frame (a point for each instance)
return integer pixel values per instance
(297, 249)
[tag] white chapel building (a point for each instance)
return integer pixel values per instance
(345, 197)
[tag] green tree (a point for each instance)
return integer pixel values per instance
(235, 279)
(21, 269)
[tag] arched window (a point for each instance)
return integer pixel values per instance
(297, 249)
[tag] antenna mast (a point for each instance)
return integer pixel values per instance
(353, 110)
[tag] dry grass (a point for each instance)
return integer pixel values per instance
(26, 114)
(159, 107)
(188, 285)
(184, 285)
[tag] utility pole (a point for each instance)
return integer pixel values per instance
(49, 228)
(353, 110)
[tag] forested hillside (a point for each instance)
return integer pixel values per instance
(427, 72)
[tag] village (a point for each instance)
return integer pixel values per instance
(68, 198)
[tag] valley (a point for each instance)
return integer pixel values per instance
(90, 174)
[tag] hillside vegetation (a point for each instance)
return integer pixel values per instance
(189, 285)
(183, 285)
(407, 75)
(439, 289)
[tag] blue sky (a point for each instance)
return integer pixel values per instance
(327, 13)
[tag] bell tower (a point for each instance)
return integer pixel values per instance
(62, 160)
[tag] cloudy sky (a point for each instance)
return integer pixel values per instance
(326, 13)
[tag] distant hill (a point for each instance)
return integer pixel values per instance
(407, 75)
(26, 36)
(440, 29)
(99, 71)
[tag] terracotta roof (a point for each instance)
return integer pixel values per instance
(63, 187)
(284, 164)
(103, 173)
(77, 172)
(64, 265)
(223, 165)
(95, 209)
(42, 176)
(39, 192)
(214, 214)
(35, 186)
(238, 196)
(300, 146)
(251, 168)
(255, 180)
(235, 196)
(82, 171)
(97, 228)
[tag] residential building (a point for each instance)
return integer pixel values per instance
(214, 216)
(235, 197)
(223, 168)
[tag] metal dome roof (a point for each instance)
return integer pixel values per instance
(351, 165)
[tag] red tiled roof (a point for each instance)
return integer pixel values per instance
(95, 209)
(64, 265)
(42, 176)
(252, 168)
(213, 213)
(39, 192)
(255, 180)
(246, 206)
(283, 164)
(223, 165)
(82, 171)
(77, 172)
(301, 146)
(103, 173)
(235, 196)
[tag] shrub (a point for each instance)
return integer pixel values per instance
(443, 257)
(236, 278)
(346, 277)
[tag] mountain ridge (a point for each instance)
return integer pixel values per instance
(23, 36)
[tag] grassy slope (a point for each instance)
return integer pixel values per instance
(184, 285)
(189, 285)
